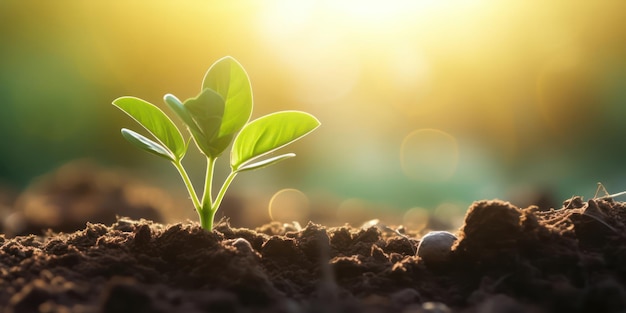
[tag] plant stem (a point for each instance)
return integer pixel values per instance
(207, 209)
(206, 218)
(189, 185)
(207, 197)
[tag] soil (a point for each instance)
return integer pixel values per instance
(506, 259)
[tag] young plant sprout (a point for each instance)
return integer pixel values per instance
(215, 118)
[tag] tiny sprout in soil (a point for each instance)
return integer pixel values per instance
(218, 116)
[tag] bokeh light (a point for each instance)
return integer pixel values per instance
(289, 205)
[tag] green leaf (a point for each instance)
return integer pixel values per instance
(198, 137)
(181, 111)
(156, 122)
(266, 162)
(146, 144)
(229, 79)
(207, 110)
(203, 117)
(270, 133)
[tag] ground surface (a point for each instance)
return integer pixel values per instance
(505, 260)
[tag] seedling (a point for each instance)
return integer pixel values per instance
(217, 117)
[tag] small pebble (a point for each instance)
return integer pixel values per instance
(435, 246)
(241, 245)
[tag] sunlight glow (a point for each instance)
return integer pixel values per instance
(565, 89)
(392, 13)
(337, 44)
(429, 155)
(375, 12)
(352, 211)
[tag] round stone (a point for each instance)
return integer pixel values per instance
(435, 246)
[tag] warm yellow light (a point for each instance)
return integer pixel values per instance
(376, 12)
(429, 155)
(416, 219)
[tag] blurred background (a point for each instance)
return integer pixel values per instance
(425, 105)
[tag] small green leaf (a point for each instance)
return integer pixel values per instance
(266, 162)
(198, 137)
(229, 79)
(270, 133)
(181, 111)
(207, 110)
(203, 117)
(146, 144)
(156, 122)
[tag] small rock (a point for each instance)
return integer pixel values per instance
(435, 246)
(242, 245)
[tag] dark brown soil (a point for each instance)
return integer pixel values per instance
(506, 260)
